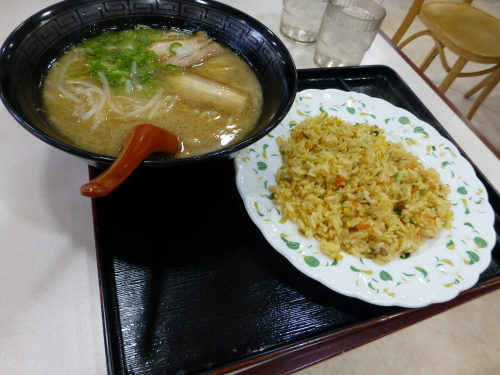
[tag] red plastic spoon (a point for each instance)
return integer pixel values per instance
(141, 141)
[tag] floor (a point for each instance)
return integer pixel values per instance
(487, 118)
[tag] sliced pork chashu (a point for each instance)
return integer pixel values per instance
(186, 52)
(204, 90)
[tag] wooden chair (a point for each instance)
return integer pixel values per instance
(467, 31)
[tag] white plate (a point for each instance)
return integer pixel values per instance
(439, 270)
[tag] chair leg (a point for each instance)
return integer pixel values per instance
(452, 74)
(479, 86)
(410, 16)
(493, 80)
(428, 60)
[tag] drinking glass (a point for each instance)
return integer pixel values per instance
(301, 19)
(347, 31)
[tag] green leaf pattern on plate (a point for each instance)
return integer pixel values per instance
(419, 129)
(311, 261)
(404, 120)
(292, 245)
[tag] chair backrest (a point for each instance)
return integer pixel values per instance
(410, 16)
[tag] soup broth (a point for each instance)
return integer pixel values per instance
(98, 90)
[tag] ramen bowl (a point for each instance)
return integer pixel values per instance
(32, 47)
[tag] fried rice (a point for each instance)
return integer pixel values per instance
(356, 192)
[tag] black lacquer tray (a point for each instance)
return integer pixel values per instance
(189, 284)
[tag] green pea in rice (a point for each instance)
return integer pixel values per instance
(355, 192)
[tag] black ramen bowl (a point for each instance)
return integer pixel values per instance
(36, 43)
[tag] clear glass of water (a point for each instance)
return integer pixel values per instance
(301, 19)
(347, 31)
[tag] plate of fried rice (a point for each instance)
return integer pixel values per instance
(368, 200)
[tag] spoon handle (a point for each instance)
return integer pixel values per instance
(141, 141)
